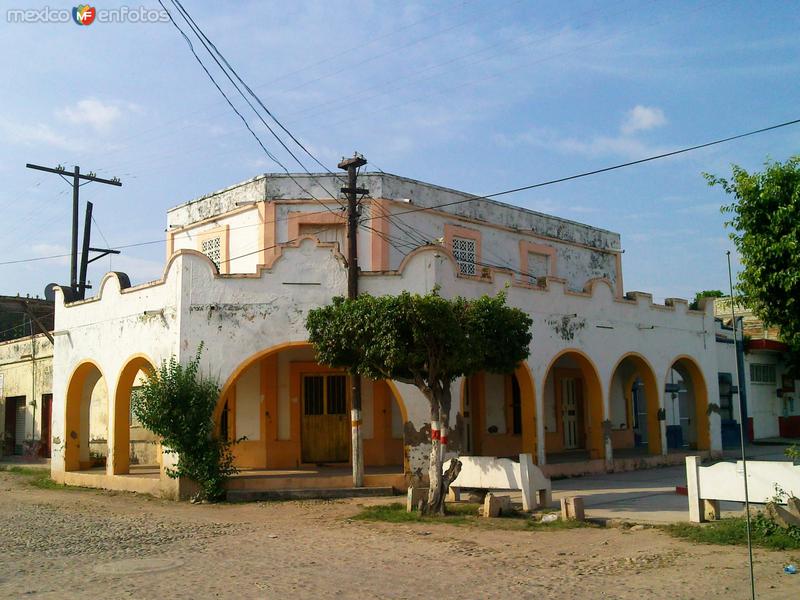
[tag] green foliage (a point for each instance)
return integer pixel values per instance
(177, 403)
(411, 336)
(766, 528)
(765, 218)
(733, 531)
(695, 304)
(38, 478)
(455, 514)
(793, 452)
(463, 513)
(427, 341)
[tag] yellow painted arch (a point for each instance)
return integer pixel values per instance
(122, 408)
(246, 364)
(72, 412)
(527, 391)
(700, 392)
(645, 371)
(260, 355)
(593, 395)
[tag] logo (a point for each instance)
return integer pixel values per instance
(83, 14)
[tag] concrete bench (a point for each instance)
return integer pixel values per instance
(490, 473)
(724, 481)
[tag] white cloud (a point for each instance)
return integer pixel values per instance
(35, 134)
(139, 269)
(57, 250)
(91, 111)
(625, 144)
(643, 118)
(593, 147)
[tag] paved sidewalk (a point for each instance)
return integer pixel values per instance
(646, 496)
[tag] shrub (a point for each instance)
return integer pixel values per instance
(177, 403)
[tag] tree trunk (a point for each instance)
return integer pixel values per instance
(439, 482)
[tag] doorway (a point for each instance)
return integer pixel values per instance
(15, 425)
(571, 412)
(324, 425)
(47, 415)
(640, 418)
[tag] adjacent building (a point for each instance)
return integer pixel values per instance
(26, 376)
(766, 378)
(26, 396)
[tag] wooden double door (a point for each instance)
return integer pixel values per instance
(325, 424)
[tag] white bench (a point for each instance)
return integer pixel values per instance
(489, 473)
(724, 481)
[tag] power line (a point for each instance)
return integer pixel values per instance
(233, 107)
(200, 32)
(360, 47)
(595, 171)
(162, 241)
(206, 43)
(44, 316)
(312, 111)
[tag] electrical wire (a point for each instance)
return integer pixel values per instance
(598, 171)
(200, 32)
(233, 107)
(394, 88)
(162, 241)
(359, 47)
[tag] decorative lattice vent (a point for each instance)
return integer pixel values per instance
(464, 253)
(212, 249)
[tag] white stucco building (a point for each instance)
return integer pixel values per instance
(245, 264)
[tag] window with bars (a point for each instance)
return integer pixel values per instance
(337, 394)
(325, 394)
(313, 395)
(212, 248)
(762, 374)
(464, 253)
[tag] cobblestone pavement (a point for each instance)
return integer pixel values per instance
(79, 544)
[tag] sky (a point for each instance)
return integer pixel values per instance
(477, 95)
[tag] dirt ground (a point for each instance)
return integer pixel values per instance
(76, 544)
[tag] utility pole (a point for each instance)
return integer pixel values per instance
(78, 286)
(351, 165)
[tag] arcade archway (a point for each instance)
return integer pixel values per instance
(573, 407)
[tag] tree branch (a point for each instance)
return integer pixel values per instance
(423, 386)
(451, 474)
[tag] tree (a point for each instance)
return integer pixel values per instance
(695, 304)
(176, 403)
(765, 218)
(427, 341)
